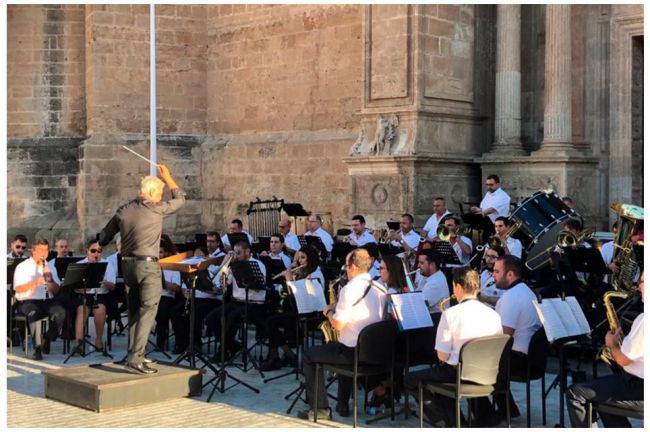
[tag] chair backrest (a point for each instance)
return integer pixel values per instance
(538, 351)
(481, 358)
(376, 343)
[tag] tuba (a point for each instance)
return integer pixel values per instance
(605, 355)
(628, 216)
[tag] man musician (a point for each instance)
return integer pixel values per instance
(277, 250)
(439, 213)
(496, 201)
(291, 242)
(360, 236)
(511, 245)
(462, 245)
(18, 247)
(236, 226)
(406, 237)
(315, 224)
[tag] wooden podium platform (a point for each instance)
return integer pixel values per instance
(108, 386)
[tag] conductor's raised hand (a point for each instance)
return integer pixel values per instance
(163, 172)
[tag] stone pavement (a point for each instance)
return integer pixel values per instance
(237, 407)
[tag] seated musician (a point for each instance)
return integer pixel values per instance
(359, 235)
(234, 310)
(35, 282)
(236, 226)
(96, 298)
(432, 282)
(439, 213)
(213, 243)
(489, 293)
(18, 247)
(624, 389)
(462, 245)
(356, 308)
(306, 256)
(607, 251)
(61, 248)
(277, 250)
(315, 224)
(406, 237)
(496, 201)
(170, 295)
(459, 324)
(291, 242)
(574, 226)
(518, 316)
(512, 246)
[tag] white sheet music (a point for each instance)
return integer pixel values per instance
(561, 318)
(411, 311)
(309, 295)
(193, 260)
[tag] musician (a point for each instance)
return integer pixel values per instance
(439, 213)
(574, 226)
(307, 256)
(359, 305)
(512, 245)
(490, 293)
(277, 250)
(624, 389)
(459, 324)
(140, 225)
(433, 282)
(359, 236)
(291, 242)
(18, 247)
(234, 310)
(406, 237)
(315, 223)
(236, 226)
(200, 252)
(568, 202)
(35, 282)
(96, 299)
(462, 245)
(607, 251)
(518, 316)
(496, 201)
(170, 295)
(61, 247)
(118, 246)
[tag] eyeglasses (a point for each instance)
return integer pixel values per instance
(491, 257)
(95, 251)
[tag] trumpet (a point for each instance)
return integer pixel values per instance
(293, 270)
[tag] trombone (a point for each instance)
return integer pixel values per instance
(500, 241)
(564, 240)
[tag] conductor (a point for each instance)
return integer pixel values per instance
(139, 223)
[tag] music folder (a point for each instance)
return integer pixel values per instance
(235, 238)
(392, 225)
(84, 275)
(561, 318)
(410, 311)
(309, 295)
(61, 264)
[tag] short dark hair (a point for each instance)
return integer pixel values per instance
(20, 237)
(493, 177)
(213, 234)
(278, 235)
(499, 250)
(237, 222)
(431, 257)
(359, 218)
(506, 221)
(468, 279)
(409, 216)
(439, 198)
(243, 245)
(573, 224)
(566, 198)
(40, 242)
(455, 219)
(511, 263)
(91, 241)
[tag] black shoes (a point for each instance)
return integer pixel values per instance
(140, 369)
(343, 409)
(46, 345)
(323, 413)
(38, 355)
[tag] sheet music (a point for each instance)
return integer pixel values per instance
(193, 260)
(309, 295)
(578, 314)
(561, 318)
(553, 326)
(411, 311)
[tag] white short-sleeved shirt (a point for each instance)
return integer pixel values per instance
(286, 259)
(174, 277)
(112, 258)
(499, 200)
(253, 296)
(367, 311)
(517, 312)
(632, 348)
(325, 237)
(607, 252)
(109, 276)
(411, 238)
(10, 255)
(514, 246)
(29, 271)
(291, 241)
(431, 226)
(462, 323)
(464, 259)
(434, 288)
(488, 287)
(362, 239)
(318, 275)
(226, 242)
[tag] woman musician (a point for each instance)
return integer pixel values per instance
(307, 268)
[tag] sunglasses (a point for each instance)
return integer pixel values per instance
(20, 247)
(95, 251)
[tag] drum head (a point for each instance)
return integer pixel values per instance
(539, 213)
(538, 255)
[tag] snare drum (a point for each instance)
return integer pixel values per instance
(539, 213)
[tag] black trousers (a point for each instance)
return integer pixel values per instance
(273, 329)
(143, 287)
(181, 320)
(234, 314)
(624, 388)
(37, 309)
(518, 364)
(331, 353)
(163, 317)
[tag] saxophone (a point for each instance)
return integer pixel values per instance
(605, 354)
(330, 334)
(445, 301)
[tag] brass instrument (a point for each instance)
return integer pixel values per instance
(564, 240)
(443, 233)
(330, 334)
(500, 241)
(628, 216)
(605, 354)
(442, 304)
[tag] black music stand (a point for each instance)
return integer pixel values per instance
(302, 240)
(340, 251)
(201, 240)
(263, 244)
(316, 242)
(294, 209)
(638, 255)
(446, 252)
(81, 276)
(481, 223)
(273, 268)
(393, 225)
(586, 260)
(234, 238)
(388, 249)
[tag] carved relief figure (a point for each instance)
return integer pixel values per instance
(384, 136)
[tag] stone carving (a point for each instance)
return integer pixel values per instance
(379, 194)
(384, 135)
(358, 144)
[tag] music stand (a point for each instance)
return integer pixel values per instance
(393, 225)
(385, 249)
(446, 253)
(273, 268)
(302, 240)
(586, 260)
(316, 242)
(234, 238)
(61, 264)
(263, 244)
(481, 223)
(294, 209)
(81, 276)
(341, 250)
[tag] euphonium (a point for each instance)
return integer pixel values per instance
(330, 334)
(605, 354)
(628, 216)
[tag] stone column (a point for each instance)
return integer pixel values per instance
(557, 81)
(507, 114)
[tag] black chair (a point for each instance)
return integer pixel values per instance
(478, 374)
(614, 409)
(373, 355)
(535, 369)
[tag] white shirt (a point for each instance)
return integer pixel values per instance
(488, 287)
(10, 255)
(226, 242)
(318, 275)
(291, 241)
(174, 277)
(374, 270)
(362, 239)
(110, 276)
(499, 201)
(462, 323)
(286, 259)
(607, 252)
(434, 288)
(517, 312)
(411, 238)
(28, 271)
(431, 226)
(253, 296)
(325, 237)
(514, 246)
(112, 259)
(216, 281)
(632, 348)
(464, 259)
(367, 311)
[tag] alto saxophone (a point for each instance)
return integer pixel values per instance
(442, 304)
(330, 334)
(605, 354)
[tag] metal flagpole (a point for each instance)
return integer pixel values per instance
(152, 89)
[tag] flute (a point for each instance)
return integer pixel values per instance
(290, 271)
